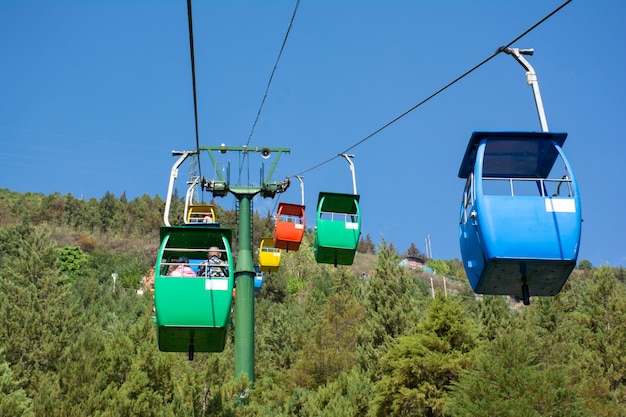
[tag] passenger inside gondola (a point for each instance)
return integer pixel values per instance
(182, 269)
(213, 266)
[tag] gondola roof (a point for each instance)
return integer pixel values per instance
(513, 154)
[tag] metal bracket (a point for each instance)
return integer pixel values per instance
(349, 159)
(531, 79)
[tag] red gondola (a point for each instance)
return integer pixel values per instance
(290, 226)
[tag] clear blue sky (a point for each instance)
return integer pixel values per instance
(94, 96)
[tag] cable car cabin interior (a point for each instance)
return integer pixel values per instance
(337, 228)
(200, 214)
(269, 256)
(193, 308)
(290, 225)
(520, 219)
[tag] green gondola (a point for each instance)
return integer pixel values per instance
(192, 312)
(337, 228)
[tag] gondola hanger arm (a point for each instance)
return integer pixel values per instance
(299, 177)
(173, 175)
(531, 79)
(348, 158)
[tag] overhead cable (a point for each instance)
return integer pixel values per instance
(466, 73)
(193, 81)
(269, 82)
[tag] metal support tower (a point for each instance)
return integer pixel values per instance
(244, 269)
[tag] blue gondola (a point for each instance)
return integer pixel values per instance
(520, 225)
(258, 278)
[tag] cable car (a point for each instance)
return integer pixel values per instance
(258, 278)
(269, 256)
(192, 312)
(337, 228)
(520, 222)
(200, 213)
(290, 226)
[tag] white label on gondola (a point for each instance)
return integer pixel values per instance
(560, 205)
(216, 284)
(298, 226)
(350, 225)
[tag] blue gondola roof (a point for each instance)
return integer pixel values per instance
(513, 154)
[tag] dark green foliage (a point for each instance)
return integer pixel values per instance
(368, 339)
(72, 261)
(418, 370)
(510, 378)
(13, 398)
(130, 267)
(584, 265)
(494, 314)
(393, 301)
(346, 396)
(440, 266)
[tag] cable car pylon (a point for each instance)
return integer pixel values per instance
(244, 269)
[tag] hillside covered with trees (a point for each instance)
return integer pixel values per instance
(365, 340)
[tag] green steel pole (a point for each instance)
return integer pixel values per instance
(244, 301)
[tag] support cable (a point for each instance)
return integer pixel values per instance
(498, 51)
(267, 88)
(193, 81)
(269, 82)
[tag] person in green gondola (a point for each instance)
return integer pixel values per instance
(213, 266)
(182, 269)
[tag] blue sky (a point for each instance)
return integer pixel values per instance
(94, 96)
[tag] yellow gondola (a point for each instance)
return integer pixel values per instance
(200, 213)
(269, 256)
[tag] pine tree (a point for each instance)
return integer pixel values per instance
(394, 300)
(414, 252)
(366, 245)
(418, 370)
(13, 398)
(510, 378)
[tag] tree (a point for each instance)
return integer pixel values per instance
(38, 312)
(366, 245)
(440, 266)
(598, 326)
(509, 378)
(72, 260)
(346, 396)
(419, 369)
(413, 252)
(394, 301)
(585, 265)
(330, 350)
(494, 314)
(13, 398)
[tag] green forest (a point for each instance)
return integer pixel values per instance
(371, 339)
